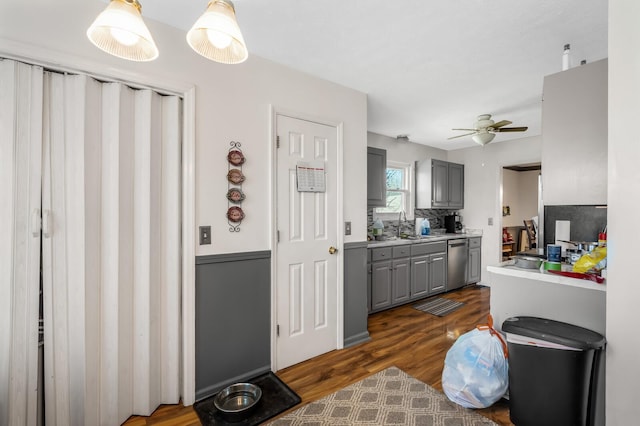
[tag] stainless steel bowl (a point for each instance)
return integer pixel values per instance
(527, 262)
(238, 400)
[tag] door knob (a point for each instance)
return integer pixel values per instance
(332, 250)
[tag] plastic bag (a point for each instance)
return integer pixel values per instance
(594, 261)
(476, 369)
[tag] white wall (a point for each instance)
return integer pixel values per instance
(232, 103)
(574, 136)
(623, 289)
(520, 193)
(482, 181)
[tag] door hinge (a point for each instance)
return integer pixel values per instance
(278, 236)
(278, 330)
(277, 141)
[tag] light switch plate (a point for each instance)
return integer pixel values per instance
(205, 235)
(347, 228)
(490, 221)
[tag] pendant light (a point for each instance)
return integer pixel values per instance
(120, 31)
(216, 34)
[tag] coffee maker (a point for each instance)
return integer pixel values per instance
(453, 224)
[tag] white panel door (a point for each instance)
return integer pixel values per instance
(307, 222)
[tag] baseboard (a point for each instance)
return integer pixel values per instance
(357, 339)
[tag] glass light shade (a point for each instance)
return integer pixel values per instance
(483, 137)
(120, 31)
(216, 34)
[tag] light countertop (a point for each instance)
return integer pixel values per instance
(544, 276)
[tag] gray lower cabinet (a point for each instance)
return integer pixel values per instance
(381, 285)
(438, 269)
(404, 273)
(400, 281)
(474, 261)
(420, 276)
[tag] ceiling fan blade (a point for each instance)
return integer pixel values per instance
(467, 130)
(511, 129)
(459, 136)
(501, 123)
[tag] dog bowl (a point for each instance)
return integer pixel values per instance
(238, 400)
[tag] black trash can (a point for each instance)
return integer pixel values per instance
(553, 368)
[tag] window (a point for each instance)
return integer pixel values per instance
(399, 192)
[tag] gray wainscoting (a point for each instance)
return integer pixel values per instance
(233, 317)
(355, 294)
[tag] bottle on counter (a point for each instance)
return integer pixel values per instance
(378, 229)
(425, 227)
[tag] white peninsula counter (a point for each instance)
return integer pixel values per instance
(529, 292)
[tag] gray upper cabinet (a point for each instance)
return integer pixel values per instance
(376, 177)
(439, 185)
(456, 186)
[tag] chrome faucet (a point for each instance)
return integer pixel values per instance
(402, 213)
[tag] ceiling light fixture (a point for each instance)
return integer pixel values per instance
(483, 137)
(216, 34)
(120, 31)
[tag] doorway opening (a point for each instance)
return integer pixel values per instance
(521, 201)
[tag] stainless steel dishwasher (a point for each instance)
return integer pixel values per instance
(457, 254)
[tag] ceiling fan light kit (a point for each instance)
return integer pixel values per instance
(485, 129)
(120, 31)
(483, 138)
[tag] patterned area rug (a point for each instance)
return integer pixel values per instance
(438, 306)
(390, 397)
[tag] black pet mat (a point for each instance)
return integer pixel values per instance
(276, 398)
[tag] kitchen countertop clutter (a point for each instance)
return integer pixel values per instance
(393, 241)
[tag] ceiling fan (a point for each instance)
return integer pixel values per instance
(485, 129)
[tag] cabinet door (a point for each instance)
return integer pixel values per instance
(419, 276)
(474, 265)
(439, 183)
(381, 285)
(438, 273)
(401, 282)
(456, 186)
(376, 177)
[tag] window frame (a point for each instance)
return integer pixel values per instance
(408, 189)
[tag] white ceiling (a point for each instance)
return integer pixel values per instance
(427, 66)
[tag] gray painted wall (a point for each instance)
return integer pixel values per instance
(233, 294)
(355, 294)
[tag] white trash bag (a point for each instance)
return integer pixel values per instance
(476, 370)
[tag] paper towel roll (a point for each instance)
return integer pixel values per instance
(563, 233)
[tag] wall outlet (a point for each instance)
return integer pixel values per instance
(490, 221)
(347, 228)
(205, 235)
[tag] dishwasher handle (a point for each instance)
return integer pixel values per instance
(464, 243)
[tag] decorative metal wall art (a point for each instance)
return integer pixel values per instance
(235, 195)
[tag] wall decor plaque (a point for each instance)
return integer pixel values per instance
(235, 194)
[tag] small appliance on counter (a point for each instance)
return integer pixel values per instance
(453, 224)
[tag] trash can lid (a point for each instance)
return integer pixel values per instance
(554, 331)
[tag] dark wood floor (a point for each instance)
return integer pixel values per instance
(411, 340)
